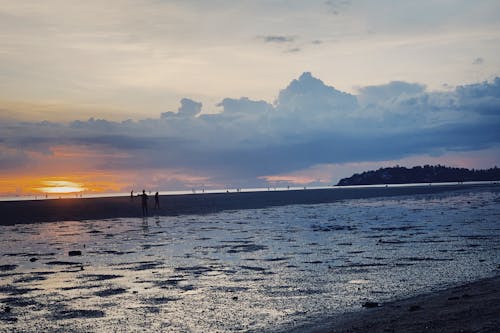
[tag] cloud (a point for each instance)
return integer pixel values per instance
(310, 123)
(389, 91)
(278, 39)
(308, 94)
(12, 158)
(478, 61)
(336, 6)
(188, 108)
(483, 97)
(244, 105)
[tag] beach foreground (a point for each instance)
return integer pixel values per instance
(473, 307)
(274, 269)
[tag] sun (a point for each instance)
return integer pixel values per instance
(61, 187)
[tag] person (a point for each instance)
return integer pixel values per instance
(132, 195)
(144, 203)
(157, 200)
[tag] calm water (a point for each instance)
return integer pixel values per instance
(247, 270)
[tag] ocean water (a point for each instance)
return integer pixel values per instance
(243, 271)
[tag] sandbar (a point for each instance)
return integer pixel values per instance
(70, 209)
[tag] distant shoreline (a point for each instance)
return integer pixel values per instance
(36, 211)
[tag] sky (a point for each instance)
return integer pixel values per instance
(170, 95)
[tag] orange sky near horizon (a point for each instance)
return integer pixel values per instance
(61, 169)
(72, 169)
(64, 184)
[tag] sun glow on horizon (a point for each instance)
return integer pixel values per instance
(61, 187)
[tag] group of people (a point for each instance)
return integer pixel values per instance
(144, 201)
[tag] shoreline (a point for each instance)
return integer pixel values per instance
(51, 210)
(471, 307)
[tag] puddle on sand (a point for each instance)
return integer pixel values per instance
(248, 270)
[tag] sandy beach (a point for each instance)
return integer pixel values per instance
(35, 211)
(473, 307)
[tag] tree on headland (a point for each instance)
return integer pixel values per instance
(419, 174)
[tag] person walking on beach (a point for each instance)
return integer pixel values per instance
(144, 203)
(132, 195)
(157, 200)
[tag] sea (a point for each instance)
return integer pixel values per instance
(255, 270)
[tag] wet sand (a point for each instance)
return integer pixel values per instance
(474, 307)
(35, 211)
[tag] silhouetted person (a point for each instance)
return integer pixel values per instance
(157, 200)
(132, 195)
(144, 203)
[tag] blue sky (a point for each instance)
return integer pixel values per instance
(180, 93)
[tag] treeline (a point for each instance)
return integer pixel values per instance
(419, 174)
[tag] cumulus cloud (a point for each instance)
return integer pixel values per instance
(310, 96)
(310, 123)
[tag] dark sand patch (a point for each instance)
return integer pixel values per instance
(148, 309)
(328, 228)
(20, 254)
(194, 270)
(187, 287)
(110, 292)
(161, 300)
(80, 287)
(19, 301)
(99, 277)
(118, 253)
(78, 314)
(276, 259)
(246, 248)
(5, 268)
(30, 278)
(148, 246)
(473, 307)
(168, 283)
(7, 317)
(146, 266)
(231, 289)
(424, 259)
(2, 275)
(13, 290)
(262, 270)
(63, 263)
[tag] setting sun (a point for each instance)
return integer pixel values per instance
(61, 186)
